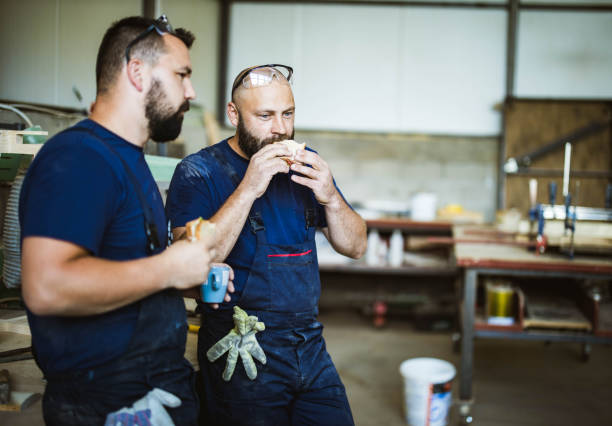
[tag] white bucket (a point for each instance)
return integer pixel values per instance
(427, 390)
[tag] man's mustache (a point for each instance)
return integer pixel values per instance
(184, 107)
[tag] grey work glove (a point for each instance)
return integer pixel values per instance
(148, 410)
(240, 341)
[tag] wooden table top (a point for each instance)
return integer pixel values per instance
(485, 247)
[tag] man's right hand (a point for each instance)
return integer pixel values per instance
(263, 165)
(189, 261)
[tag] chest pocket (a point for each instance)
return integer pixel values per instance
(283, 256)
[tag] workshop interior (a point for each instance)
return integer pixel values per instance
(473, 137)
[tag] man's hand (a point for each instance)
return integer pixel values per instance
(318, 177)
(190, 262)
(263, 165)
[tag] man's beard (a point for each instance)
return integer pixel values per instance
(249, 144)
(164, 123)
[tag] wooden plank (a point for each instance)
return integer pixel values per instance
(17, 325)
(504, 256)
(530, 124)
(389, 224)
(551, 311)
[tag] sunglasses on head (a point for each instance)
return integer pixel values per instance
(161, 26)
(262, 75)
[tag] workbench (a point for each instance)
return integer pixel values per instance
(482, 251)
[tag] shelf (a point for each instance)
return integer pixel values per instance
(484, 326)
(552, 336)
(411, 226)
(388, 270)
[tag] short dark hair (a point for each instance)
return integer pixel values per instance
(111, 55)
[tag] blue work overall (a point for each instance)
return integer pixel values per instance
(154, 358)
(299, 384)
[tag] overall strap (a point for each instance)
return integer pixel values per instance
(311, 216)
(153, 243)
(255, 220)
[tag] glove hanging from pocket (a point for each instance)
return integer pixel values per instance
(240, 341)
(148, 410)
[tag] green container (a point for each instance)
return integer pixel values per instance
(10, 164)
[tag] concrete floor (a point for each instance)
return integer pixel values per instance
(515, 383)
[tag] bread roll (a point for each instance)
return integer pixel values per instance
(199, 229)
(294, 147)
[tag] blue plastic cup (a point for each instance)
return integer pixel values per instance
(215, 287)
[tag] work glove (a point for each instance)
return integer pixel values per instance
(240, 341)
(148, 410)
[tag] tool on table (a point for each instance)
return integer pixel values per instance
(570, 217)
(552, 194)
(536, 213)
(570, 213)
(240, 341)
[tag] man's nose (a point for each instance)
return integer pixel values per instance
(278, 125)
(189, 90)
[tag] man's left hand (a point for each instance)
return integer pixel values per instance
(318, 177)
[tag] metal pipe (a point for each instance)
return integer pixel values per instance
(19, 113)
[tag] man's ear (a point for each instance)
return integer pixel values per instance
(232, 113)
(135, 75)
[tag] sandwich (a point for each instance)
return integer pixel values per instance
(199, 229)
(294, 147)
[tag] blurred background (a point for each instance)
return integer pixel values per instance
(432, 114)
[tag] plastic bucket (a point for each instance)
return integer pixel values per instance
(427, 390)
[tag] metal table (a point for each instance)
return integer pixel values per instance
(499, 257)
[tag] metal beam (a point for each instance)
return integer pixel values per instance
(224, 23)
(511, 34)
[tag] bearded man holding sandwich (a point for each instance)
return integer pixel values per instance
(266, 199)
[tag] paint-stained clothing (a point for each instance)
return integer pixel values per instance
(276, 279)
(77, 190)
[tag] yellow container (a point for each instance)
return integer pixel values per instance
(500, 304)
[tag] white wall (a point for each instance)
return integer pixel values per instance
(418, 69)
(380, 68)
(49, 46)
(202, 18)
(564, 55)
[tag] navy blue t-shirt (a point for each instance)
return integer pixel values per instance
(77, 190)
(200, 186)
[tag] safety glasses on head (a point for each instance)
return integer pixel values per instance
(262, 75)
(161, 26)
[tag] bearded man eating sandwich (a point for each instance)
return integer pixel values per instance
(266, 200)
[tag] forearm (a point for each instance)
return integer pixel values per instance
(61, 278)
(346, 230)
(89, 285)
(229, 221)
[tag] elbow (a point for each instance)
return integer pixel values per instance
(360, 249)
(38, 304)
(38, 297)
(362, 241)
(360, 245)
